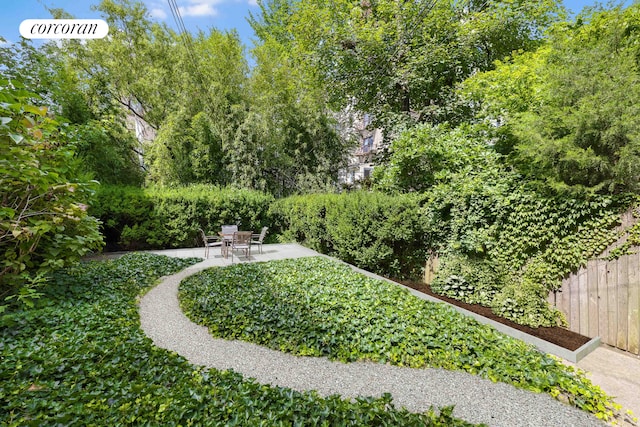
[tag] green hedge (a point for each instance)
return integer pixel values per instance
(381, 233)
(80, 358)
(159, 218)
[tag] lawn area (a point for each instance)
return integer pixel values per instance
(79, 357)
(319, 307)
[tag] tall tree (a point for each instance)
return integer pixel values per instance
(106, 148)
(213, 120)
(400, 60)
(299, 147)
(211, 102)
(573, 120)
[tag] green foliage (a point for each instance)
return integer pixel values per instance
(107, 152)
(468, 196)
(185, 150)
(400, 60)
(80, 358)
(135, 218)
(200, 115)
(472, 280)
(315, 306)
(495, 231)
(43, 220)
(96, 129)
(549, 238)
(567, 118)
(377, 232)
(524, 301)
(498, 242)
(426, 155)
(570, 109)
(633, 237)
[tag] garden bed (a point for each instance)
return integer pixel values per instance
(557, 335)
(79, 357)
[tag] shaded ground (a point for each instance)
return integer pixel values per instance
(556, 335)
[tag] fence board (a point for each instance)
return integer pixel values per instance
(583, 297)
(634, 304)
(612, 309)
(431, 269)
(574, 295)
(592, 288)
(603, 317)
(603, 298)
(565, 298)
(623, 302)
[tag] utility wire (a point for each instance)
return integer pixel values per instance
(186, 40)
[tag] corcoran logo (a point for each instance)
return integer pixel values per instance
(64, 29)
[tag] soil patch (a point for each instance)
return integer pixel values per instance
(556, 335)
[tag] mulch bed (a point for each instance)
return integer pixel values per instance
(556, 335)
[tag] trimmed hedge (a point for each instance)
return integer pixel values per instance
(160, 218)
(378, 232)
(381, 233)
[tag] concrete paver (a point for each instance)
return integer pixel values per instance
(617, 373)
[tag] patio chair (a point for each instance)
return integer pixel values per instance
(210, 242)
(229, 229)
(227, 236)
(256, 239)
(241, 241)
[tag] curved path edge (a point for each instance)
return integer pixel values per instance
(476, 400)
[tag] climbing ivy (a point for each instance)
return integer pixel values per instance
(633, 239)
(507, 246)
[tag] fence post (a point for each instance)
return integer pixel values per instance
(431, 267)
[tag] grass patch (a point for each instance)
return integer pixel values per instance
(318, 307)
(79, 357)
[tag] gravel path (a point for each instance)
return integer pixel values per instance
(476, 400)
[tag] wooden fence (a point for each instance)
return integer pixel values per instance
(603, 298)
(431, 268)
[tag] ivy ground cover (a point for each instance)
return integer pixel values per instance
(319, 307)
(79, 357)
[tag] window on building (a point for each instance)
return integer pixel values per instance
(367, 145)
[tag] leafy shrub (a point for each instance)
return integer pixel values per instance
(377, 232)
(80, 358)
(525, 302)
(315, 306)
(159, 218)
(43, 220)
(472, 280)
